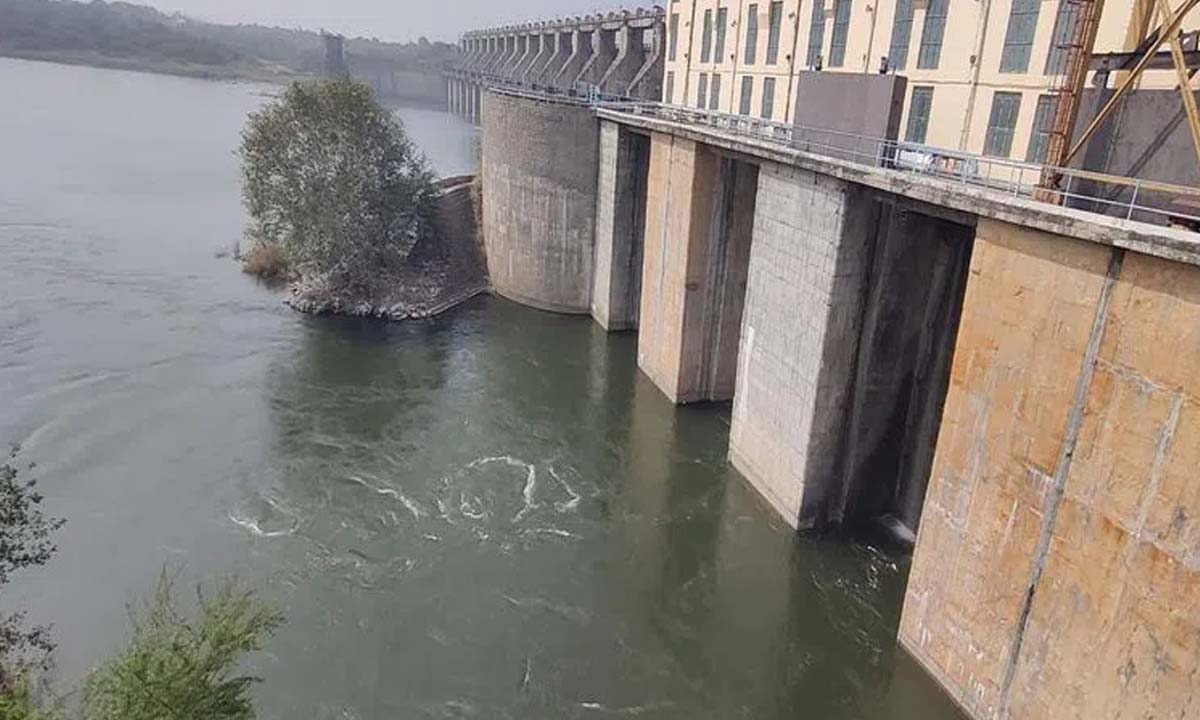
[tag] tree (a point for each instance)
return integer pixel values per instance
(331, 177)
(176, 667)
(182, 667)
(24, 542)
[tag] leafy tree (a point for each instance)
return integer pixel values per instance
(182, 666)
(331, 177)
(24, 542)
(20, 704)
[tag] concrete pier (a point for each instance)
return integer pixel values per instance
(539, 213)
(620, 226)
(699, 213)
(808, 268)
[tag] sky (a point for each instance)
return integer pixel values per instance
(399, 20)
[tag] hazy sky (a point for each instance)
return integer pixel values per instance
(386, 19)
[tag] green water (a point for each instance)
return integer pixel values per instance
(486, 515)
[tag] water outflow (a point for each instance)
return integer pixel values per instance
(490, 514)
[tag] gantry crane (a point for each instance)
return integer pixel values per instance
(1078, 48)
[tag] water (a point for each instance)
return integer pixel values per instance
(490, 515)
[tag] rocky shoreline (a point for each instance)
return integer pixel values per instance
(443, 271)
(313, 304)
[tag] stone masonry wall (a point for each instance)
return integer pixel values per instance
(1057, 567)
(540, 161)
(808, 263)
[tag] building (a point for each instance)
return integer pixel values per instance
(980, 72)
(335, 56)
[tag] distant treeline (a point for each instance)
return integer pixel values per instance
(120, 34)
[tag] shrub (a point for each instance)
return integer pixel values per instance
(24, 542)
(266, 261)
(180, 666)
(20, 704)
(331, 177)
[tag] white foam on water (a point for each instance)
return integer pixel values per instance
(444, 511)
(405, 500)
(632, 711)
(550, 531)
(527, 493)
(571, 504)
(476, 512)
(575, 614)
(412, 506)
(253, 527)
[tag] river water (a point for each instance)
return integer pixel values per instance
(488, 515)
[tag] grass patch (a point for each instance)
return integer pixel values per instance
(267, 261)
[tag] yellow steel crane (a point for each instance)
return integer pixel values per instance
(1078, 49)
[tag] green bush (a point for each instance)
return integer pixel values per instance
(331, 177)
(178, 665)
(183, 666)
(19, 703)
(24, 543)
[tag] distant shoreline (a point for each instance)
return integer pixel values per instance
(196, 72)
(144, 65)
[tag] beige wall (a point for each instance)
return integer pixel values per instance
(1122, 577)
(682, 176)
(1066, 464)
(963, 90)
(1026, 320)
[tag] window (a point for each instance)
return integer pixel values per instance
(673, 31)
(1006, 107)
(747, 95)
(773, 31)
(918, 115)
(714, 93)
(722, 23)
(841, 27)
(816, 33)
(1043, 123)
(706, 38)
(768, 98)
(669, 91)
(752, 34)
(1018, 40)
(901, 33)
(702, 91)
(932, 33)
(1064, 30)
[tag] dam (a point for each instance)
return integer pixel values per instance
(1009, 384)
(617, 54)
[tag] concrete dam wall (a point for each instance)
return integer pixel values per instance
(539, 200)
(615, 54)
(1016, 384)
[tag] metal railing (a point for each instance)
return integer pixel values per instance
(1081, 189)
(587, 92)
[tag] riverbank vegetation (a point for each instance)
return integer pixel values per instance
(130, 36)
(266, 261)
(25, 542)
(343, 204)
(181, 662)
